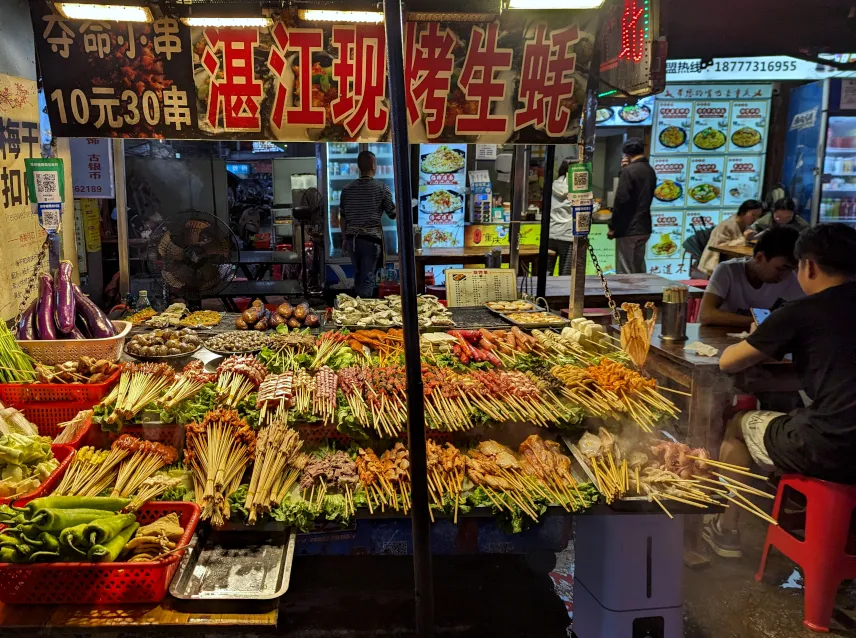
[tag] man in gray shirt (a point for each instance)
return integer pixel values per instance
(361, 207)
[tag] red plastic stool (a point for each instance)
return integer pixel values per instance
(822, 555)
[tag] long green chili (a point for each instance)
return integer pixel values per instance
(109, 552)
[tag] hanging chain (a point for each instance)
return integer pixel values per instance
(603, 283)
(33, 278)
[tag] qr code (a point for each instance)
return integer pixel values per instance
(50, 219)
(582, 222)
(47, 188)
(581, 182)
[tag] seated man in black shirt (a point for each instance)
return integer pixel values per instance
(818, 330)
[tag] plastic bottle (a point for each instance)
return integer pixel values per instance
(142, 301)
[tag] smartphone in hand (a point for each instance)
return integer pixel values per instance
(759, 314)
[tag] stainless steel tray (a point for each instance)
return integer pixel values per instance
(252, 563)
(564, 323)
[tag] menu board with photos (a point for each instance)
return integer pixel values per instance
(671, 188)
(710, 126)
(742, 179)
(442, 194)
(748, 130)
(721, 161)
(672, 127)
(704, 184)
(474, 287)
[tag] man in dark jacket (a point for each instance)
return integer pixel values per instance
(631, 214)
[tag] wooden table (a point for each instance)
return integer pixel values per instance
(466, 255)
(732, 252)
(637, 288)
(171, 616)
(264, 259)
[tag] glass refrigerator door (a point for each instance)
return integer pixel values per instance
(385, 173)
(341, 169)
(838, 189)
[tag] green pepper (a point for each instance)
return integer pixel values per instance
(109, 552)
(8, 555)
(45, 557)
(45, 542)
(73, 538)
(56, 520)
(105, 503)
(102, 530)
(7, 540)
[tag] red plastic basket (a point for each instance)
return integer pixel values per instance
(46, 416)
(64, 455)
(100, 583)
(18, 394)
(53, 430)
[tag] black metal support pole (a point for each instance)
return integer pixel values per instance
(394, 15)
(546, 206)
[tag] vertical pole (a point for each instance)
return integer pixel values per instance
(546, 206)
(121, 217)
(394, 16)
(519, 199)
(581, 244)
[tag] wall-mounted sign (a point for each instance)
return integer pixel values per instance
(629, 30)
(92, 167)
(513, 80)
(770, 68)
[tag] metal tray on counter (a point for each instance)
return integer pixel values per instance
(236, 563)
(557, 324)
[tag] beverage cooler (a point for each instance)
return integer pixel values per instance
(820, 151)
(340, 162)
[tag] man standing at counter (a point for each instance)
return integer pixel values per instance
(631, 215)
(361, 207)
(818, 440)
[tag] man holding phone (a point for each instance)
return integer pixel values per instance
(819, 440)
(760, 281)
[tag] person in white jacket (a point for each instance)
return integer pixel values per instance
(561, 223)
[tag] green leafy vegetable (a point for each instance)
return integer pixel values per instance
(295, 512)
(236, 503)
(192, 409)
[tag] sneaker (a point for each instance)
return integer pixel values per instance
(725, 543)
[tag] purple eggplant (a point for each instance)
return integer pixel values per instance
(27, 324)
(64, 298)
(97, 322)
(74, 334)
(44, 314)
(80, 326)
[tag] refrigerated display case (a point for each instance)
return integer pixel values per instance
(820, 151)
(341, 169)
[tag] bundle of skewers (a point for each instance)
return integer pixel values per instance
(446, 471)
(237, 377)
(604, 459)
(396, 472)
(514, 396)
(326, 345)
(543, 460)
(139, 385)
(147, 457)
(277, 464)
(609, 388)
(386, 397)
(352, 384)
(324, 399)
(217, 451)
(304, 390)
(495, 469)
(327, 472)
(287, 349)
(386, 480)
(191, 380)
(152, 488)
(387, 345)
(275, 396)
(93, 471)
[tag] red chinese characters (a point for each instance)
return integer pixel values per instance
(309, 99)
(360, 72)
(238, 93)
(478, 81)
(428, 68)
(546, 82)
(632, 31)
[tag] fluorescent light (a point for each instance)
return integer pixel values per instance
(86, 11)
(227, 22)
(321, 15)
(554, 4)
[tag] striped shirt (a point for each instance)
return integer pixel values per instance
(362, 205)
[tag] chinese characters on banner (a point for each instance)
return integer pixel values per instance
(92, 167)
(518, 80)
(22, 236)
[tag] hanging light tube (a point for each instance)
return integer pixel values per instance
(92, 11)
(554, 4)
(198, 21)
(324, 15)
